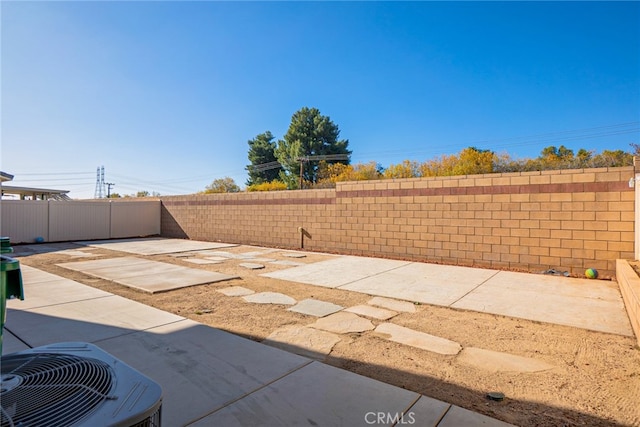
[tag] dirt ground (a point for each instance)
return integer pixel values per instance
(595, 382)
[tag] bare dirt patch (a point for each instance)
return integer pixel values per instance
(595, 380)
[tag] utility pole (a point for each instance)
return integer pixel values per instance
(273, 165)
(308, 159)
(301, 160)
(109, 185)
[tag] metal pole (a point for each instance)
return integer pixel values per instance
(301, 162)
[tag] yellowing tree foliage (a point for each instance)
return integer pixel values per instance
(337, 172)
(406, 169)
(274, 185)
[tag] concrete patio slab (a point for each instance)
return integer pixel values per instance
(201, 369)
(33, 275)
(124, 271)
(88, 320)
(11, 343)
(426, 412)
(343, 323)
(336, 272)
(251, 265)
(556, 285)
(154, 245)
(393, 304)
(235, 291)
(152, 284)
(145, 275)
(52, 292)
(373, 312)
(424, 283)
(316, 395)
(603, 315)
(457, 416)
(304, 341)
(270, 298)
(495, 361)
(418, 339)
(317, 308)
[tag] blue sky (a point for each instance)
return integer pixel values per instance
(166, 95)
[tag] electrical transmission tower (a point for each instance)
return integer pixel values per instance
(99, 193)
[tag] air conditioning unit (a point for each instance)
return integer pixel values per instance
(75, 384)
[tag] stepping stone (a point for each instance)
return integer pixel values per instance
(226, 255)
(314, 307)
(235, 291)
(288, 263)
(200, 261)
(252, 254)
(216, 258)
(496, 361)
(262, 259)
(270, 298)
(418, 339)
(181, 255)
(393, 304)
(251, 265)
(293, 255)
(303, 341)
(374, 312)
(343, 323)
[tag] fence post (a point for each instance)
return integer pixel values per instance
(110, 219)
(635, 181)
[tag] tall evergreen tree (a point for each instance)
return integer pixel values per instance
(309, 134)
(262, 152)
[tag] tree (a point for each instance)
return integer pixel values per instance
(274, 185)
(556, 158)
(262, 152)
(406, 169)
(143, 193)
(309, 134)
(609, 158)
(337, 172)
(472, 161)
(222, 185)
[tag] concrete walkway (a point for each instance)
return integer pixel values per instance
(210, 377)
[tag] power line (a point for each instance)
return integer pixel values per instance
(543, 138)
(54, 173)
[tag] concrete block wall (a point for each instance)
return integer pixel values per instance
(567, 220)
(261, 218)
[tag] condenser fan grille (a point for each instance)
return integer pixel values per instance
(51, 389)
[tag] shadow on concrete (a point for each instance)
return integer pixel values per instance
(196, 366)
